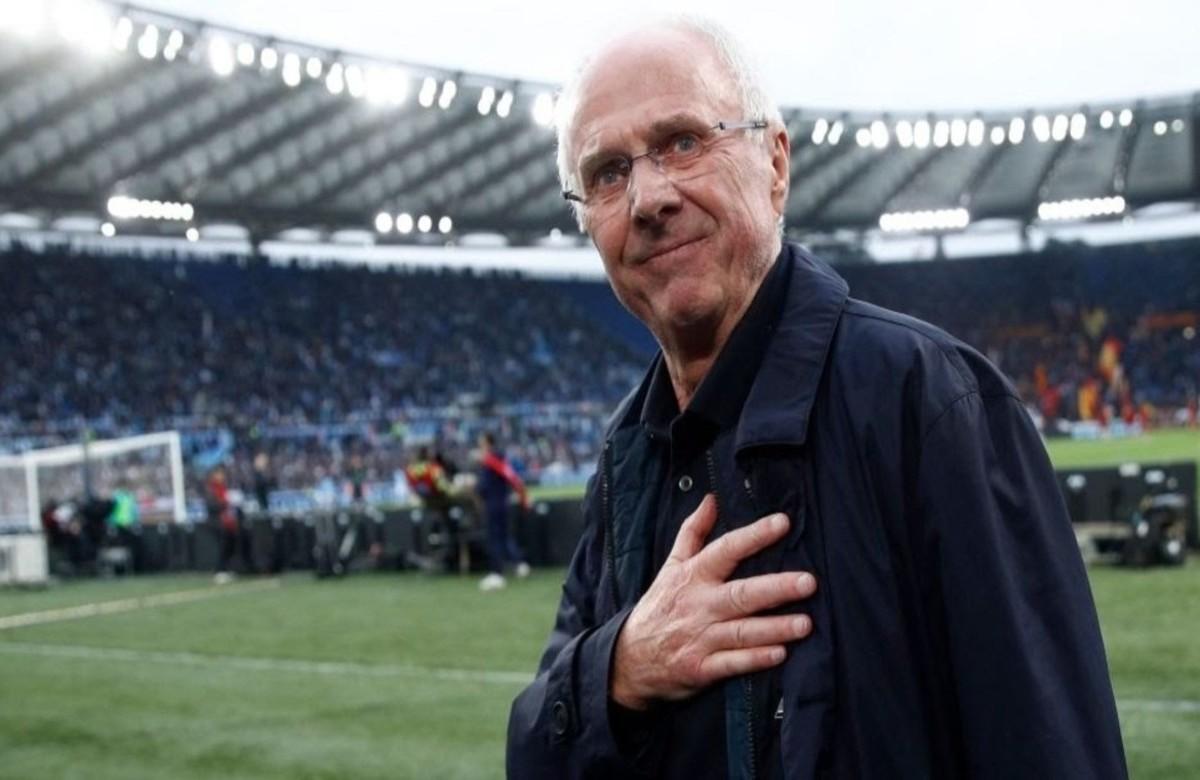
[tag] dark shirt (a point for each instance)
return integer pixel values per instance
(492, 488)
(690, 437)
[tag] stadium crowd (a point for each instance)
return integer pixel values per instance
(315, 365)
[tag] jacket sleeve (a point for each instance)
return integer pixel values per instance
(560, 726)
(1027, 660)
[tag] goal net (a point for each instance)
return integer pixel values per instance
(148, 466)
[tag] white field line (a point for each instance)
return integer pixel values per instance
(350, 669)
(248, 664)
(128, 605)
(1159, 705)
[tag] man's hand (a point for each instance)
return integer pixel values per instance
(693, 628)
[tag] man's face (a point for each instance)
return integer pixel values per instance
(683, 253)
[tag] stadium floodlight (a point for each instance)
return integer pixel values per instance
(383, 222)
(1078, 126)
(313, 67)
(1041, 128)
(356, 83)
(1126, 117)
(449, 90)
(487, 98)
(1176, 125)
(1016, 130)
(904, 133)
(334, 80)
(174, 44)
(386, 86)
(122, 32)
(958, 132)
(941, 133)
(1058, 130)
(245, 54)
(108, 230)
(879, 135)
(835, 133)
(1081, 208)
(543, 109)
(975, 131)
(425, 223)
(123, 207)
(862, 137)
(268, 58)
(428, 92)
(291, 69)
(921, 133)
(445, 225)
(119, 206)
(505, 104)
(1106, 119)
(85, 24)
(147, 44)
(921, 221)
(404, 223)
(819, 131)
(221, 57)
(1160, 127)
(997, 135)
(192, 234)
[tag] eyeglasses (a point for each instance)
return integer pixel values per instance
(678, 156)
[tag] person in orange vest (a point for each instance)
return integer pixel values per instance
(497, 481)
(428, 480)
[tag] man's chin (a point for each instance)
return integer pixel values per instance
(692, 314)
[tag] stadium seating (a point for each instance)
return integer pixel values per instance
(309, 364)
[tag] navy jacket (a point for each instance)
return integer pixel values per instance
(955, 633)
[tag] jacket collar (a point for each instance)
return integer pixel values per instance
(780, 402)
(781, 398)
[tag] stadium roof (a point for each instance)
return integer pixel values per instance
(165, 123)
(863, 54)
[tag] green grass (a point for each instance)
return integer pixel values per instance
(1159, 446)
(232, 687)
(181, 691)
(161, 717)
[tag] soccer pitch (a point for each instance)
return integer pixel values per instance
(411, 676)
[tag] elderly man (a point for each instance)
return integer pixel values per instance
(824, 539)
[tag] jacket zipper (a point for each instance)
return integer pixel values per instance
(610, 524)
(749, 683)
(747, 680)
(712, 484)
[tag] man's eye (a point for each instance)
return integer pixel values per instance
(611, 175)
(685, 143)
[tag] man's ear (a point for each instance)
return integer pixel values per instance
(781, 168)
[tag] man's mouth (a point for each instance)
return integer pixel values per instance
(668, 249)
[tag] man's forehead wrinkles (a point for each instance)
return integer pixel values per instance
(604, 134)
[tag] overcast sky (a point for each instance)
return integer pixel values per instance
(857, 54)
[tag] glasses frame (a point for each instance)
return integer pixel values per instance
(721, 126)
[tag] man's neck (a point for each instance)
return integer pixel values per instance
(690, 355)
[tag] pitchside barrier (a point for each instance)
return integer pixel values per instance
(1099, 500)
(1103, 500)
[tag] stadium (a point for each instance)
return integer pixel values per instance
(265, 297)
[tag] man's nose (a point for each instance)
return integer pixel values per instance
(652, 196)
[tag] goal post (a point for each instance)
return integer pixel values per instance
(149, 465)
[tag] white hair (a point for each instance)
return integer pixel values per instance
(749, 89)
